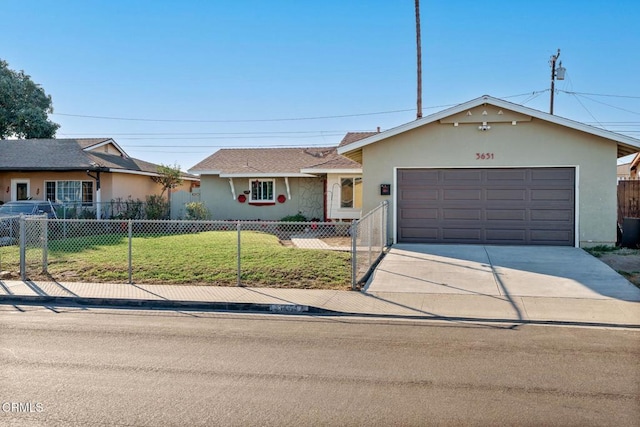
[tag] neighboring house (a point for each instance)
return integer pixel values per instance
(628, 167)
(272, 183)
(89, 172)
(634, 167)
(492, 172)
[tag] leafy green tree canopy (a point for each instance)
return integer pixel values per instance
(169, 177)
(23, 106)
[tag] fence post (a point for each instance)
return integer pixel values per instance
(45, 244)
(23, 249)
(130, 233)
(238, 226)
(370, 236)
(354, 246)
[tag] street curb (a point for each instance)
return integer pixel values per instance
(295, 309)
(164, 304)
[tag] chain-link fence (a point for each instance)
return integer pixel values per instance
(322, 255)
(369, 240)
(226, 253)
(10, 244)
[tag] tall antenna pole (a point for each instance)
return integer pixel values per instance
(419, 52)
(553, 60)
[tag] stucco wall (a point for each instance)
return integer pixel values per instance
(527, 144)
(113, 185)
(306, 197)
(36, 182)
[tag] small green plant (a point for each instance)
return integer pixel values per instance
(197, 211)
(294, 218)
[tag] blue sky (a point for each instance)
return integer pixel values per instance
(211, 74)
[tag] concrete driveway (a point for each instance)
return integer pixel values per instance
(502, 271)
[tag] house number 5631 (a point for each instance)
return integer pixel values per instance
(484, 156)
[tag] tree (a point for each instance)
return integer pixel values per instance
(169, 177)
(23, 106)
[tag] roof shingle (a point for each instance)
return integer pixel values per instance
(273, 160)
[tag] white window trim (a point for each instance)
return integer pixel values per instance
(353, 193)
(14, 187)
(81, 181)
(273, 193)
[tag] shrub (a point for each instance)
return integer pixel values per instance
(157, 207)
(294, 218)
(197, 211)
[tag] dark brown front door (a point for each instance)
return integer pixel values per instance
(519, 206)
(22, 191)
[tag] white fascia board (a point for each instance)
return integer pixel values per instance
(266, 175)
(354, 171)
(204, 172)
(486, 99)
(131, 172)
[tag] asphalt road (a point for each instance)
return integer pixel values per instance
(74, 367)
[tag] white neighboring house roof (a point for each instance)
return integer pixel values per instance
(626, 144)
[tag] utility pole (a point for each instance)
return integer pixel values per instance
(419, 53)
(555, 74)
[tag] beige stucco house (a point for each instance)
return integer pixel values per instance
(89, 172)
(492, 172)
(273, 183)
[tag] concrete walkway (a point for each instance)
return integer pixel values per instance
(452, 306)
(518, 285)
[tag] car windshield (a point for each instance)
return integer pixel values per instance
(16, 209)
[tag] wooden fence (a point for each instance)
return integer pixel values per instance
(628, 199)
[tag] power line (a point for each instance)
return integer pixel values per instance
(600, 94)
(234, 120)
(604, 103)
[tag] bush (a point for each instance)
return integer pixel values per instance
(294, 218)
(197, 211)
(157, 207)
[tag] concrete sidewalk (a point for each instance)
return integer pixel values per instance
(456, 307)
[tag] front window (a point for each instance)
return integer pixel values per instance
(70, 191)
(351, 193)
(262, 190)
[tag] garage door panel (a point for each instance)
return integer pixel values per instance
(461, 176)
(559, 175)
(563, 215)
(506, 194)
(462, 194)
(550, 237)
(499, 206)
(414, 195)
(469, 235)
(409, 214)
(420, 234)
(506, 214)
(551, 195)
(506, 236)
(508, 177)
(418, 177)
(462, 214)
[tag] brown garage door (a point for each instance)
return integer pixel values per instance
(523, 206)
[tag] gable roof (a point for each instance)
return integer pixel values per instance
(274, 162)
(70, 155)
(626, 144)
(355, 136)
(635, 163)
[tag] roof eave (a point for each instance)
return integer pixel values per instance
(341, 170)
(627, 141)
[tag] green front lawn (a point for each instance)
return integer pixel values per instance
(202, 258)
